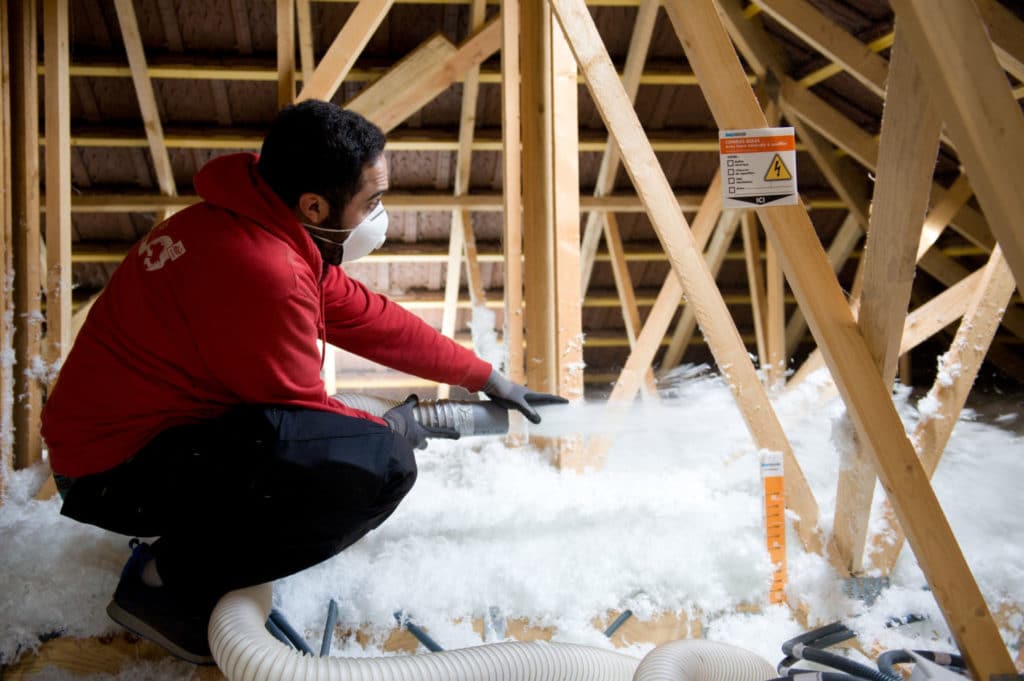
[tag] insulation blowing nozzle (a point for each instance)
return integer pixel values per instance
(464, 417)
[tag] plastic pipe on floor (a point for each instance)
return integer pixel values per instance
(245, 651)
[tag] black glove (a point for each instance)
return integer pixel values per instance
(403, 422)
(514, 396)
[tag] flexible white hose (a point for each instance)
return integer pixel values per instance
(245, 651)
(703, 661)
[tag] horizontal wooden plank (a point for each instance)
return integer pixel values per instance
(432, 201)
(233, 68)
(418, 139)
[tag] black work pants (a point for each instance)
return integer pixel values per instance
(258, 494)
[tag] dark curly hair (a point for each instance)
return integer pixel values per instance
(318, 147)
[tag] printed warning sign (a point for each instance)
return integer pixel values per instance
(777, 170)
(758, 167)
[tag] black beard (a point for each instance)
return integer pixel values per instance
(331, 252)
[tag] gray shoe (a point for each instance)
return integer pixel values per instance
(164, 616)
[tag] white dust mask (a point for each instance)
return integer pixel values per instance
(363, 239)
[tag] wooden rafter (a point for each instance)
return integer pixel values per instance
(818, 75)
(422, 75)
(868, 400)
(347, 46)
(828, 38)
(1007, 34)
(624, 286)
(669, 298)
(607, 223)
(565, 207)
(512, 237)
(922, 323)
(839, 252)
(704, 228)
(775, 317)
(909, 143)
(538, 230)
(416, 201)
(231, 67)
(640, 40)
(942, 213)
(26, 243)
(957, 371)
(58, 181)
(755, 282)
(849, 137)
(725, 231)
(462, 239)
(687, 262)
(6, 239)
(980, 112)
(488, 139)
(285, 52)
(304, 27)
(147, 101)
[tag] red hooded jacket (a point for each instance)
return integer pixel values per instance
(222, 304)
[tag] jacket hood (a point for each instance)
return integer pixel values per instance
(233, 183)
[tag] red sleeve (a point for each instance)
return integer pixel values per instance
(371, 326)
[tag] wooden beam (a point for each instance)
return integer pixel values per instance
(58, 182)
(942, 213)
(640, 41)
(688, 265)
(626, 292)
(243, 32)
(839, 251)
(147, 101)
(828, 38)
(461, 238)
(911, 126)
(407, 139)
(538, 230)
(775, 332)
(756, 283)
(825, 72)
(512, 198)
(424, 74)
(939, 312)
(669, 298)
(921, 324)
(982, 116)
(6, 262)
(760, 51)
(285, 52)
(1007, 34)
(417, 201)
(643, 30)
(703, 227)
(957, 370)
(725, 232)
(304, 26)
(464, 161)
(849, 181)
(733, 105)
(28, 332)
(345, 49)
(842, 132)
(231, 67)
(565, 207)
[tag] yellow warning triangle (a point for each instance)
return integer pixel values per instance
(777, 170)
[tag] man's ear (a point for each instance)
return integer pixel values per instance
(312, 208)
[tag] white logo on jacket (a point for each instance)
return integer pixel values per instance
(171, 250)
